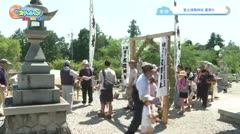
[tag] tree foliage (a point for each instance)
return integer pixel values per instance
(11, 50)
(134, 29)
(215, 39)
(54, 47)
(56, 50)
(24, 44)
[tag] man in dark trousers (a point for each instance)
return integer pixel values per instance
(3, 81)
(85, 75)
(139, 91)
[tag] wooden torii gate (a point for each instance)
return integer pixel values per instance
(165, 104)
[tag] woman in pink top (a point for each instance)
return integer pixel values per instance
(182, 84)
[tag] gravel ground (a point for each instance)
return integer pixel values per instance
(84, 119)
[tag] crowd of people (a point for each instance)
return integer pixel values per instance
(195, 86)
(141, 90)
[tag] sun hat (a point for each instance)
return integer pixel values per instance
(182, 73)
(154, 68)
(5, 61)
(132, 61)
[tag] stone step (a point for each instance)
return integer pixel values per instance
(31, 109)
(231, 114)
(36, 96)
(35, 81)
(35, 68)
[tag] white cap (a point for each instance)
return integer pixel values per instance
(85, 62)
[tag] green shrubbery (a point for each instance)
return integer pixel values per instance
(59, 63)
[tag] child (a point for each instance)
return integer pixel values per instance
(193, 91)
(148, 116)
(212, 82)
(153, 93)
(182, 85)
(153, 87)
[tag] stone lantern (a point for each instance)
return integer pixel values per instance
(36, 103)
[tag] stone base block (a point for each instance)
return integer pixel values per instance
(38, 119)
(36, 96)
(35, 81)
(230, 115)
(35, 68)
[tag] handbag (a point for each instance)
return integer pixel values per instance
(106, 83)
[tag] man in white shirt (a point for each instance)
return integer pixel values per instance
(141, 90)
(106, 94)
(68, 77)
(132, 79)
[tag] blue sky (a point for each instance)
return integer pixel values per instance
(114, 17)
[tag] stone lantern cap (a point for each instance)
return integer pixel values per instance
(46, 15)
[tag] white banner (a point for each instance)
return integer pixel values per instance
(92, 30)
(125, 58)
(163, 76)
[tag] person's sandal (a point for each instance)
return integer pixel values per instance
(101, 115)
(181, 113)
(108, 116)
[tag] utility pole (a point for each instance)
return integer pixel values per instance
(71, 43)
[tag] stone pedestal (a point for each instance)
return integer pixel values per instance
(223, 83)
(36, 119)
(36, 107)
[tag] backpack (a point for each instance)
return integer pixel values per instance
(106, 83)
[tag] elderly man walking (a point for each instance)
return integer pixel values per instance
(68, 77)
(3, 81)
(139, 91)
(132, 80)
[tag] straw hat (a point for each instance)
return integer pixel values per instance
(182, 73)
(85, 62)
(132, 61)
(154, 68)
(5, 61)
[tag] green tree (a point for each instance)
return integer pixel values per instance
(54, 47)
(232, 58)
(134, 29)
(24, 44)
(113, 53)
(215, 39)
(188, 42)
(102, 41)
(81, 46)
(151, 54)
(231, 43)
(11, 50)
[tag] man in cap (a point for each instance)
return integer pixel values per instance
(85, 75)
(68, 77)
(139, 91)
(3, 80)
(131, 81)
